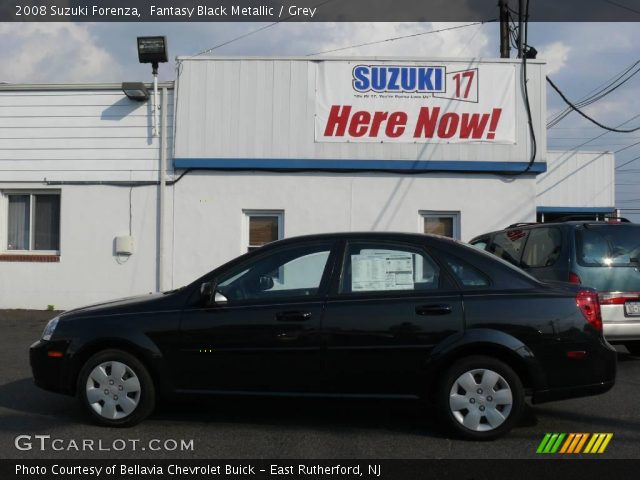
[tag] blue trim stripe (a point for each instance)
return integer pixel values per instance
(316, 164)
(569, 210)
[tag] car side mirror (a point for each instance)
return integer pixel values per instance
(207, 290)
(220, 299)
(210, 296)
(266, 283)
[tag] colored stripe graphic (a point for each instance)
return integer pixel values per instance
(550, 443)
(573, 443)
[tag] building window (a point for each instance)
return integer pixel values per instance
(446, 224)
(33, 221)
(263, 226)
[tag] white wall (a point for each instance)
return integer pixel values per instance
(265, 108)
(82, 134)
(577, 179)
(88, 271)
(74, 134)
(209, 208)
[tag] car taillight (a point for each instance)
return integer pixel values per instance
(617, 298)
(574, 278)
(587, 302)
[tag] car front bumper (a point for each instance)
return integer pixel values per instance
(48, 368)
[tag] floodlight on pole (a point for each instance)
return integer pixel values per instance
(153, 50)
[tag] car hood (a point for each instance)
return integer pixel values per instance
(146, 302)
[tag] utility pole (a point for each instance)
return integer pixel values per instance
(505, 47)
(520, 21)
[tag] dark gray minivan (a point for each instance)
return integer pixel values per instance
(599, 254)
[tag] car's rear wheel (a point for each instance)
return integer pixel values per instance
(634, 348)
(480, 398)
(116, 388)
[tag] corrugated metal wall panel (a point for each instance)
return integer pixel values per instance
(60, 135)
(264, 108)
(577, 179)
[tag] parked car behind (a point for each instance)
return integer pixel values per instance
(353, 315)
(603, 255)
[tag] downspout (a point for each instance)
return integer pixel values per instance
(162, 185)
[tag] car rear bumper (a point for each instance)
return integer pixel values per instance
(543, 396)
(49, 372)
(598, 376)
(618, 326)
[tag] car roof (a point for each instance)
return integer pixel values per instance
(397, 236)
(566, 224)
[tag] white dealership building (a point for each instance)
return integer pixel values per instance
(101, 197)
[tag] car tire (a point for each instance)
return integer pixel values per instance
(116, 389)
(490, 405)
(634, 348)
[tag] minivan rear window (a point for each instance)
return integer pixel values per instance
(608, 245)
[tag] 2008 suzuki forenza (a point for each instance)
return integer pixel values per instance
(351, 314)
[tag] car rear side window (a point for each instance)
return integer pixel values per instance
(385, 267)
(467, 275)
(543, 247)
(509, 245)
(608, 245)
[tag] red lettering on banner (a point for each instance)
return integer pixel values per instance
(359, 124)
(378, 118)
(448, 126)
(396, 124)
(429, 124)
(467, 125)
(426, 124)
(337, 122)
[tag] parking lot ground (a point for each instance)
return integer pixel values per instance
(287, 428)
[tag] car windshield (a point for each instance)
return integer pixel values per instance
(608, 245)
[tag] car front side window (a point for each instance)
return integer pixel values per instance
(285, 273)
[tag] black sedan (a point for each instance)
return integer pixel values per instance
(386, 315)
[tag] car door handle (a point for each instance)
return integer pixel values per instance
(293, 316)
(440, 309)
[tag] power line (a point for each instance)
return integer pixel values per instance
(604, 133)
(598, 93)
(622, 6)
(627, 163)
(393, 39)
(627, 147)
(252, 32)
(568, 102)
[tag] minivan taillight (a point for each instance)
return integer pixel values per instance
(574, 278)
(587, 302)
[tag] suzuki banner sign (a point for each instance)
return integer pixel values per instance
(415, 102)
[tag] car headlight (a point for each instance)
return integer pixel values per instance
(49, 329)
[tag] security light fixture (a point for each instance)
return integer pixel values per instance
(530, 53)
(135, 91)
(152, 50)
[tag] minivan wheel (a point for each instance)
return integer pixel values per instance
(634, 348)
(480, 398)
(116, 389)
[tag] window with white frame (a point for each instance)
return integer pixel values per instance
(262, 227)
(446, 224)
(33, 221)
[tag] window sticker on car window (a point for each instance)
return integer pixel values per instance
(379, 270)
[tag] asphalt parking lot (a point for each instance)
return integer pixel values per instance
(286, 428)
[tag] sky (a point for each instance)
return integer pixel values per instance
(579, 56)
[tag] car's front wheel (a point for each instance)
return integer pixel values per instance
(480, 398)
(116, 388)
